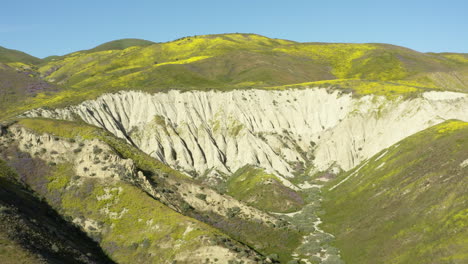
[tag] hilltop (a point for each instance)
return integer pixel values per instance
(10, 55)
(237, 61)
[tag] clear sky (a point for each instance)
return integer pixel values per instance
(47, 27)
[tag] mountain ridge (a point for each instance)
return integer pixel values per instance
(238, 148)
(239, 61)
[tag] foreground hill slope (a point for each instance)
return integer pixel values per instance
(30, 230)
(137, 208)
(406, 204)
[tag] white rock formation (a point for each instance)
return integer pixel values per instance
(90, 158)
(211, 132)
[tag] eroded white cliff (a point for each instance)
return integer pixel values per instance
(281, 131)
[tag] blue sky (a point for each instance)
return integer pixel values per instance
(47, 27)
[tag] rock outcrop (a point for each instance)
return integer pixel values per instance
(282, 131)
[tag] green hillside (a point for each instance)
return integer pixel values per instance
(135, 178)
(407, 204)
(55, 184)
(241, 61)
(30, 230)
(121, 44)
(18, 85)
(262, 190)
(10, 55)
(246, 60)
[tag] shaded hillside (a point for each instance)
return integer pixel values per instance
(31, 230)
(407, 204)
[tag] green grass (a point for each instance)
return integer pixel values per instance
(10, 55)
(263, 191)
(358, 88)
(132, 230)
(6, 171)
(121, 44)
(72, 130)
(409, 205)
(60, 177)
(239, 61)
(30, 228)
(18, 83)
(259, 236)
(141, 224)
(11, 252)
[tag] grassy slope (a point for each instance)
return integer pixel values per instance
(243, 61)
(10, 56)
(407, 204)
(263, 191)
(121, 44)
(17, 85)
(264, 239)
(239, 60)
(126, 239)
(11, 250)
(33, 232)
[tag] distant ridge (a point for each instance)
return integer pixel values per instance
(10, 55)
(121, 44)
(240, 61)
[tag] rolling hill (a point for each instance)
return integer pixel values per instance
(408, 203)
(234, 148)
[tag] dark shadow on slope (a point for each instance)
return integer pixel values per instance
(39, 229)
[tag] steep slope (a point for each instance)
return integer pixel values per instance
(285, 132)
(406, 204)
(90, 185)
(262, 190)
(32, 231)
(85, 163)
(18, 83)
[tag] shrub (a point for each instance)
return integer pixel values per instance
(233, 212)
(201, 196)
(185, 207)
(97, 150)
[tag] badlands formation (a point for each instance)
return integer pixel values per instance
(284, 132)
